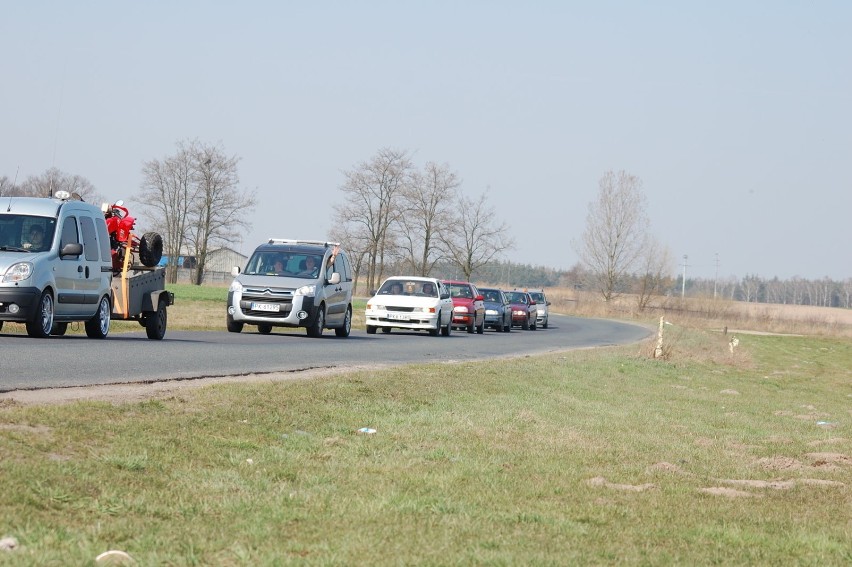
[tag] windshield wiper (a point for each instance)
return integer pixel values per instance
(13, 249)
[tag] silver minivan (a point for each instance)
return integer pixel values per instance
(293, 283)
(55, 265)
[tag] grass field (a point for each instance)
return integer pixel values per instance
(713, 455)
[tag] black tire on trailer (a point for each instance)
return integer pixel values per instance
(42, 321)
(150, 249)
(156, 321)
(98, 326)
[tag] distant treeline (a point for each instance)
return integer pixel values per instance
(823, 292)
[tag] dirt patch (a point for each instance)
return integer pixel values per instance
(601, 481)
(124, 393)
(779, 463)
(728, 492)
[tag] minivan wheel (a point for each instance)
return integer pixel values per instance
(42, 321)
(233, 326)
(98, 326)
(347, 324)
(59, 329)
(264, 328)
(315, 330)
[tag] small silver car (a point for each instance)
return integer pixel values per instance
(542, 305)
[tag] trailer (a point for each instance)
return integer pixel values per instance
(139, 294)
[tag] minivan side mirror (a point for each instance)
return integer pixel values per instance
(235, 271)
(71, 249)
(334, 279)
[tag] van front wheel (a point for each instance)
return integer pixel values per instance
(42, 322)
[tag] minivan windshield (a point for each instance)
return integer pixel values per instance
(282, 263)
(26, 233)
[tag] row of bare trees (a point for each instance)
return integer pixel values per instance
(394, 214)
(194, 200)
(48, 183)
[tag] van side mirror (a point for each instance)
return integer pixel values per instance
(71, 249)
(334, 279)
(235, 271)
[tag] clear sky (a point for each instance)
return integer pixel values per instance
(736, 115)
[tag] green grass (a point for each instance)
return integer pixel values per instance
(488, 463)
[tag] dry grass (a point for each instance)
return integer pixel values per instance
(709, 313)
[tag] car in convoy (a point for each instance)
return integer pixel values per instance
(412, 303)
(468, 306)
(498, 311)
(524, 311)
(293, 283)
(55, 265)
(542, 307)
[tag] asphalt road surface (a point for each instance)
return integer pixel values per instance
(75, 360)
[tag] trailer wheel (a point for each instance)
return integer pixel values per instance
(150, 249)
(98, 326)
(155, 322)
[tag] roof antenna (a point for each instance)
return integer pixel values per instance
(14, 184)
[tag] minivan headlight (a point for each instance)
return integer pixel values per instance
(18, 272)
(307, 290)
(235, 286)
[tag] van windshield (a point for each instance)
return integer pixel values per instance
(25, 233)
(288, 264)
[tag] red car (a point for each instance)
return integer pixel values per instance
(468, 306)
(524, 311)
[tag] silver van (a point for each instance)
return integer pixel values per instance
(55, 265)
(293, 283)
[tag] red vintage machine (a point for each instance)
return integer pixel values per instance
(147, 250)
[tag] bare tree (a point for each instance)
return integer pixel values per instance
(7, 186)
(474, 239)
(195, 201)
(616, 230)
(220, 207)
(656, 264)
(53, 180)
(168, 191)
(428, 211)
(371, 202)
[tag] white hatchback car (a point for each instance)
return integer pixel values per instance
(411, 302)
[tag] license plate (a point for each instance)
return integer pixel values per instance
(272, 307)
(398, 316)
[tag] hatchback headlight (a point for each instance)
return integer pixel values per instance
(18, 272)
(460, 309)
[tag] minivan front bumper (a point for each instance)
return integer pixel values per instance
(17, 303)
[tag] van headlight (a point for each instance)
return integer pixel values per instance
(235, 287)
(307, 291)
(18, 272)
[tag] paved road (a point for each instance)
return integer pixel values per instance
(75, 360)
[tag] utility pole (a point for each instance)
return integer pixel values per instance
(683, 283)
(716, 277)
